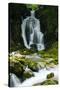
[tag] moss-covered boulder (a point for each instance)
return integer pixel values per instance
(49, 82)
(51, 75)
(27, 74)
(16, 68)
(33, 66)
(18, 65)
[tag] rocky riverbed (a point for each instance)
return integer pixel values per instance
(31, 69)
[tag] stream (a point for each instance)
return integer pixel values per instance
(39, 77)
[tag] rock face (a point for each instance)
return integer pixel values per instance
(47, 82)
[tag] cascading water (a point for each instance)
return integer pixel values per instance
(14, 80)
(38, 77)
(31, 32)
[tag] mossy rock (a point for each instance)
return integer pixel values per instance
(27, 74)
(18, 65)
(16, 68)
(33, 66)
(49, 82)
(23, 62)
(51, 75)
(42, 64)
(41, 52)
(26, 51)
(51, 52)
(55, 61)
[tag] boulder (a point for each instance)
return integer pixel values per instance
(33, 66)
(16, 68)
(27, 74)
(51, 75)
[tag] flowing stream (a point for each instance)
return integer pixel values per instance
(14, 80)
(38, 77)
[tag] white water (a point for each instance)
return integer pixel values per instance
(39, 77)
(14, 80)
(35, 36)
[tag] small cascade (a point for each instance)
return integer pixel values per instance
(31, 32)
(38, 77)
(14, 80)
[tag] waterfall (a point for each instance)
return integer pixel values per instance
(31, 32)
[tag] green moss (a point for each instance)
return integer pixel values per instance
(18, 65)
(51, 54)
(33, 66)
(26, 51)
(46, 55)
(49, 82)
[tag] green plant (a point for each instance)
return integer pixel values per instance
(32, 6)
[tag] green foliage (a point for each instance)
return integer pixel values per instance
(51, 54)
(32, 6)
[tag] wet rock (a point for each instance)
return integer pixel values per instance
(51, 75)
(27, 74)
(33, 66)
(16, 68)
